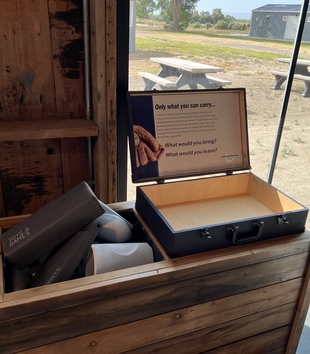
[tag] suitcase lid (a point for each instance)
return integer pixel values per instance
(185, 133)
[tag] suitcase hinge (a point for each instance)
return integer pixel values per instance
(205, 234)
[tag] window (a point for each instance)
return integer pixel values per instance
(245, 63)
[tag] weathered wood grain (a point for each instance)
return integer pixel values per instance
(147, 277)
(74, 159)
(42, 79)
(66, 30)
(194, 341)
(66, 26)
(99, 78)
(12, 131)
(11, 221)
(103, 62)
(111, 66)
(139, 305)
(26, 76)
(31, 174)
(229, 296)
(300, 317)
(272, 342)
(223, 334)
(26, 92)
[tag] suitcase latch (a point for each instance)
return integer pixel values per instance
(205, 234)
(282, 220)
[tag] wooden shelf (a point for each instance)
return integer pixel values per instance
(49, 129)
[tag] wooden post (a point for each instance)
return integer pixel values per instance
(301, 314)
(103, 64)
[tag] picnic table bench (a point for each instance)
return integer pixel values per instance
(301, 73)
(186, 73)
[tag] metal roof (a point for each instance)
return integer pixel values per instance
(279, 8)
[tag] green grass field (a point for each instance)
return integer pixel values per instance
(221, 44)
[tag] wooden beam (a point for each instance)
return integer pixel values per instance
(33, 130)
(103, 64)
(111, 43)
(300, 316)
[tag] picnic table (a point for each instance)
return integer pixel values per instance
(183, 72)
(301, 73)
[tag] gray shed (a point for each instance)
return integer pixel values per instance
(278, 22)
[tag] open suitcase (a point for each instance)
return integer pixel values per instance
(181, 136)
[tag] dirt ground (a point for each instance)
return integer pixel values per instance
(264, 107)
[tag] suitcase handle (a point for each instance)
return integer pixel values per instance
(244, 238)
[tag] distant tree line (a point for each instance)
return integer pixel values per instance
(179, 14)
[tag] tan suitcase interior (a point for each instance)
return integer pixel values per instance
(195, 203)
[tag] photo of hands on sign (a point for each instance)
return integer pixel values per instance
(147, 147)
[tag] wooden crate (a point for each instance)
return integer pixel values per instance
(247, 299)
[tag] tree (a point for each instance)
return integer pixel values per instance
(221, 24)
(176, 8)
(229, 18)
(145, 8)
(217, 15)
(175, 12)
(187, 9)
(205, 17)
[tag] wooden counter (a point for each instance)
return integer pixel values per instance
(246, 299)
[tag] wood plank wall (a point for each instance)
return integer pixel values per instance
(42, 78)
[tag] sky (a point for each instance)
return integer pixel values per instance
(240, 6)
